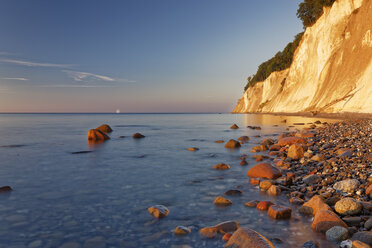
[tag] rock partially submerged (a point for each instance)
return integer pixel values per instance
(221, 166)
(224, 227)
(158, 211)
(264, 170)
(234, 126)
(248, 238)
(104, 128)
(5, 189)
(232, 144)
(96, 135)
(138, 136)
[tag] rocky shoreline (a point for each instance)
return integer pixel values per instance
(327, 169)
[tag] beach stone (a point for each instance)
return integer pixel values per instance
(368, 224)
(221, 166)
(209, 232)
(181, 230)
(222, 201)
(347, 186)
(158, 211)
(227, 226)
(310, 244)
(234, 126)
(95, 242)
(267, 142)
(232, 144)
(295, 151)
(265, 185)
(138, 136)
(259, 148)
(233, 192)
(364, 236)
(325, 219)
(70, 245)
(291, 140)
(312, 179)
(193, 149)
(337, 233)
(104, 128)
(243, 138)
(369, 191)
(219, 141)
(264, 205)
(296, 201)
(96, 135)
(246, 237)
(318, 157)
(353, 221)
(279, 212)
(264, 170)
(254, 181)
(360, 244)
(226, 237)
(5, 189)
(251, 204)
(243, 162)
(346, 244)
(348, 206)
(315, 204)
(274, 190)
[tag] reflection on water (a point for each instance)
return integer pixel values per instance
(64, 195)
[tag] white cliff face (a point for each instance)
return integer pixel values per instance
(331, 70)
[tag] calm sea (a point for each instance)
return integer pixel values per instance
(100, 199)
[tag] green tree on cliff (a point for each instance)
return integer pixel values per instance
(310, 10)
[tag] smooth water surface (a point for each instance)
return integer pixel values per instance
(100, 199)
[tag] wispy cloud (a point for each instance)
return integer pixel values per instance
(80, 76)
(72, 86)
(16, 78)
(33, 64)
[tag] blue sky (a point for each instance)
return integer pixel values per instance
(138, 55)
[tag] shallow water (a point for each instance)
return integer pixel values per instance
(61, 195)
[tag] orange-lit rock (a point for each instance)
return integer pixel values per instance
(264, 205)
(96, 135)
(279, 212)
(104, 128)
(222, 201)
(291, 140)
(325, 219)
(248, 238)
(264, 170)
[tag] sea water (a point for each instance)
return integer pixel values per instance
(72, 193)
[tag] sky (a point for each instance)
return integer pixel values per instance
(136, 55)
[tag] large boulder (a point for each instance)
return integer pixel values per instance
(291, 140)
(348, 206)
(315, 204)
(347, 186)
(325, 219)
(96, 135)
(264, 170)
(232, 144)
(248, 238)
(104, 128)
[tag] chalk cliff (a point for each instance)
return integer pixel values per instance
(331, 70)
